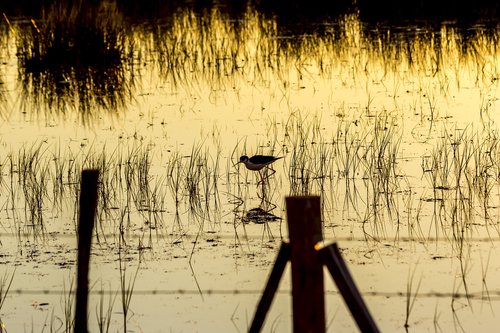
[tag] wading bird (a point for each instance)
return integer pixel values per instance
(258, 162)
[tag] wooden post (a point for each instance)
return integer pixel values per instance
(304, 227)
(88, 204)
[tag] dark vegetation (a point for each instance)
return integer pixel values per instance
(287, 13)
(83, 54)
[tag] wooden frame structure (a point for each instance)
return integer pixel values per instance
(307, 261)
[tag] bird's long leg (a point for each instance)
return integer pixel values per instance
(273, 171)
(261, 181)
(269, 175)
(263, 193)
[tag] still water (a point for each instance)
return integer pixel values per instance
(393, 126)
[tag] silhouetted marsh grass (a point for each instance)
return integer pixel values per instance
(126, 288)
(310, 155)
(382, 174)
(104, 311)
(67, 303)
(75, 57)
(411, 296)
(40, 182)
(5, 284)
(192, 50)
(463, 173)
(354, 166)
(100, 63)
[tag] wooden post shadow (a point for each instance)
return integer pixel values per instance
(304, 226)
(88, 205)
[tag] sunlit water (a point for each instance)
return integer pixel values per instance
(397, 135)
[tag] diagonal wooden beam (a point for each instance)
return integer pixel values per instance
(271, 288)
(332, 258)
